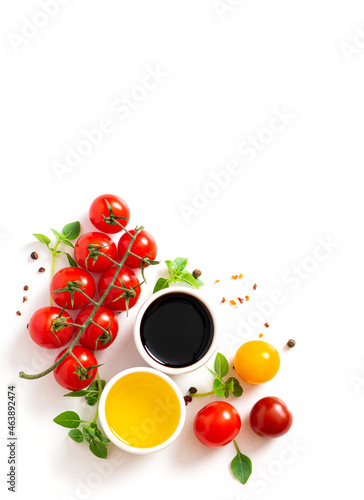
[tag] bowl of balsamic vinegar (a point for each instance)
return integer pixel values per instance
(175, 330)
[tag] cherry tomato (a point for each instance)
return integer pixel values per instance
(256, 362)
(101, 242)
(73, 299)
(270, 417)
(217, 424)
(66, 373)
(95, 337)
(127, 279)
(100, 215)
(143, 246)
(45, 327)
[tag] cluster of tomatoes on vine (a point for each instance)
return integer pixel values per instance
(101, 283)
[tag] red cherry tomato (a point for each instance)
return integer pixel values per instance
(66, 373)
(99, 241)
(143, 246)
(74, 299)
(45, 327)
(100, 215)
(127, 279)
(270, 417)
(217, 424)
(95, 337)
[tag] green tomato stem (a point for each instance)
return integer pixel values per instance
(202, 394)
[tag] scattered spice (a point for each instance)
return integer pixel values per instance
(196, 273)
(260, 335)
(254, 286)
(18, 313)
(41, 270)
(240, 300)
(234, 277)
(241, 276)
(192, 390)
(223, 300)
(246, 297)
(25, 298)
(216, 281)
(291, 343)
(25, 287)
(188, 399)
(266, 325)
(34, 255)
(232, 302)
(28, 326)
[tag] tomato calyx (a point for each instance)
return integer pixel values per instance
(72, 287)
(60, 322)
(82, 372)
(145, 262)
(113, 219)
(95, 253)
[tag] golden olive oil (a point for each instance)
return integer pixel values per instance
(142, 410)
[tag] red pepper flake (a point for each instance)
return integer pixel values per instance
(223, 300)
(266, 325)
(216, 281)
(255, 286)
(246, 297)
(234, 277)
(25, 298)
(18, 313)
(240, 300)
(241, 276)
(232, 302)
(260, 335)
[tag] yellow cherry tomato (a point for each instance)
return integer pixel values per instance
(256, 362)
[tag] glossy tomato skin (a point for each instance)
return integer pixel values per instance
(106, 319)
(40, 325)
(65, 275)
(256, 362)
(65, 374)
(144, 246)
(99, 209)
(82, 252)
(128, 279)
(270, 417)
(217, 424)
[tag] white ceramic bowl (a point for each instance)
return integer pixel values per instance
(121, 444)
(143, 352)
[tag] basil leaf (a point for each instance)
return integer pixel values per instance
(238, 390)
(199, 282)
(161, 283)
(188, 278)
(71, 261)
(71, 230)
(68, 419)
(172, 266)
(42, 238)
(76, 435)
(241, 466)
(181, 263)
(221, 365)
(66, 242)
(76, 394)
(98, 449)
(56, 233)
(218, 388)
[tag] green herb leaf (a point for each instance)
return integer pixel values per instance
(98, 449)
(221, 365)
(93, 392)
(68, 419)
(42, 238)
(161, 284)
(56, 233)
(71, 231)
(188, 278)
(199, 282)
(241, 466)
(76, 435)
(76, 394)
(218, 388)
(172, 266)
(237, 390)
(68, 243)
(181, 263)
(71, 261)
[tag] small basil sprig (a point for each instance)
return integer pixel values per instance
(70, 232)
(177, 272)
(241, 466)
(221, 387)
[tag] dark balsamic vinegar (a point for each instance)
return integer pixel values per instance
(177, 330)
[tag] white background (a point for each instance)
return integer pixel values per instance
(227, 72)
